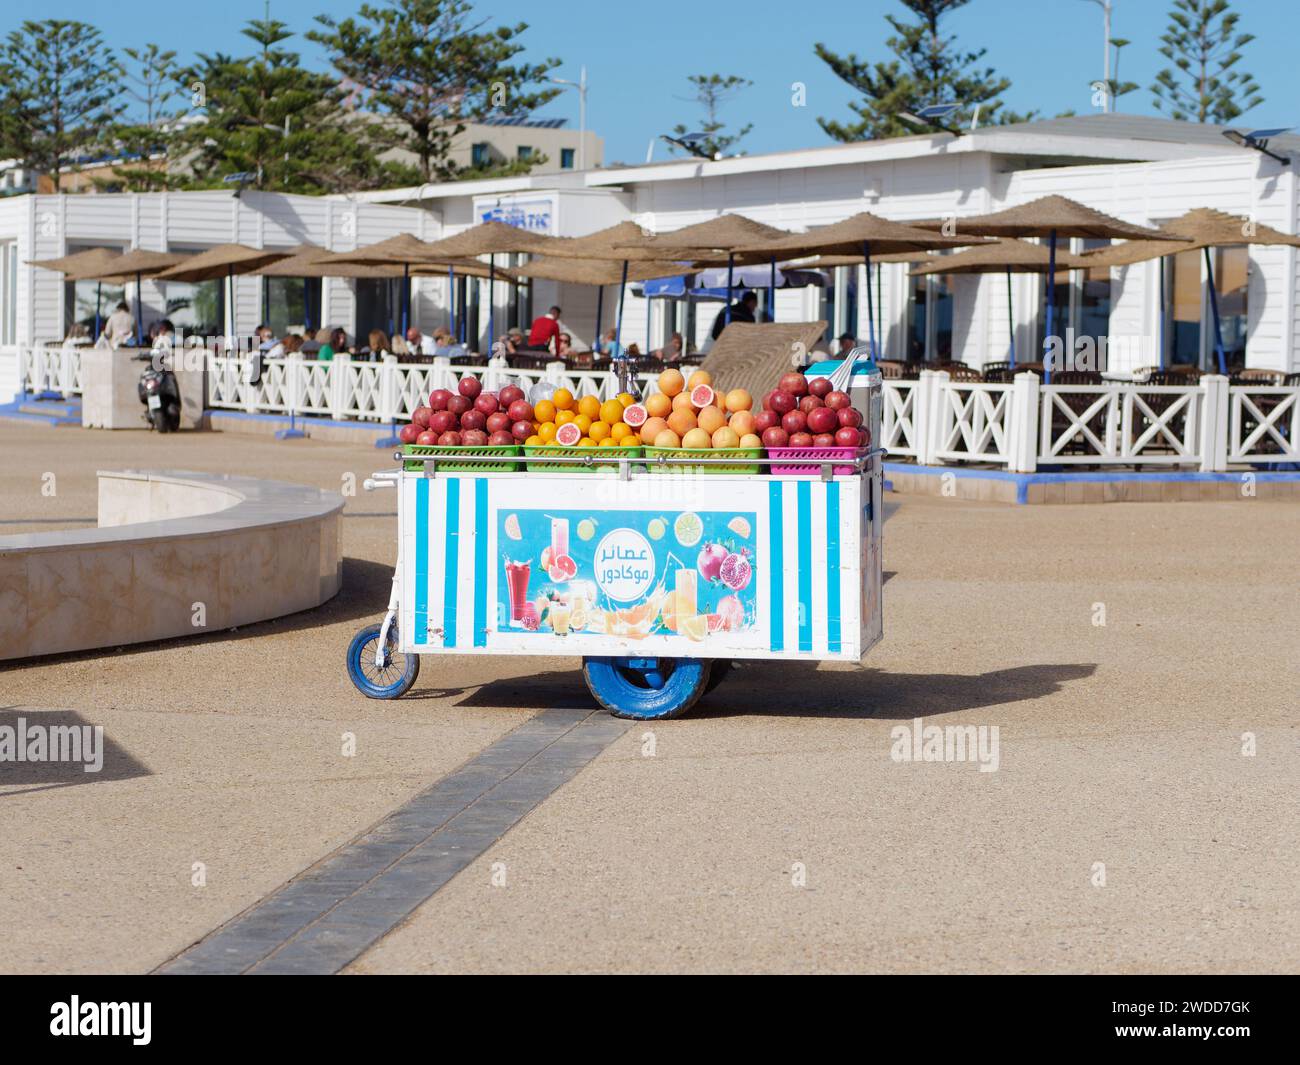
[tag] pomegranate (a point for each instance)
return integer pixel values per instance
(438, 399)
(459, 404)
(420, 416)
(809, 404)
(449, 439)
(775, 436)
(407, 433)
(442, 421)
(510, 394)
(469, 387)
(784, 402)
(824, 440)
(498, 421)
(819, 386)
(501, 438)
(795, 422)
(521, 431)
(838, 400)
(796, 384)
(474, 438)
(710, 560)
(822, 420)
(848, 437)
(520, 410)
(801, 440)
(486, 402)
(764, 420)
(850, 417)
(427, 438)
(736, 572)
(473, 419)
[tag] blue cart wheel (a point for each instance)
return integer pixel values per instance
(646, 688)
(389, 681)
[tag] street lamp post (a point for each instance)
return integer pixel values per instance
(581, 86)
(1106, 6)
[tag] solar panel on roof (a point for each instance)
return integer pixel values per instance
(1265, 134)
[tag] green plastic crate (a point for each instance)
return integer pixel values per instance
(542, 451)
(508, 453)
(679, 453)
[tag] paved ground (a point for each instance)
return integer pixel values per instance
(1119, 744)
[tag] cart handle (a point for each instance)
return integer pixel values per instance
(863, 460)
(382, 479)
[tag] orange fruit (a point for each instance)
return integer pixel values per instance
(547, 431)
(590, 406)
(563, 399)
(710, 419)
(598, 431)
(681, 422)
(563, 417)
(659, 405)
(738, 399)
(619, 430)
(584, 423)
(671, 382)
(611, 411)
(544, 410)
(609, 441)
(586, 441)
(626, 399)
(534, 441)
(699, 377)
(630, 441)
(652, 428)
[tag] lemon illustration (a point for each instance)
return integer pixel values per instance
(688, 528)
(656, 528)
(586, 529)
(512, 527)
(695, 628)
(739, 526)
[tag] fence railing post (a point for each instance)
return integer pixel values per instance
(927, 413)
(441, 376)
(339, 376)
(389, 389)
(555, 373)
(1215, 423)
(1022, 424)
(497, 374)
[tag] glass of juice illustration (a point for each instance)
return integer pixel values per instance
(517, 586)
(559, 537)
(685, 587)
(560, 618)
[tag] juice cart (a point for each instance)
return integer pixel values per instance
(658, 573)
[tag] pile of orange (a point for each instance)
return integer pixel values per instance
(689, 413)
(600, 423)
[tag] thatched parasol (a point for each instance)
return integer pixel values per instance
(753, 355)
(1008, 256)
(92, 258)
(225, 260)
(120, 268)
(1053, 217)
(1201, 229)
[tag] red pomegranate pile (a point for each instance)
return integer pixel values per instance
(470, 417)
(808, 412)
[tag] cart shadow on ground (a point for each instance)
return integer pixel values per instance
(755, 689)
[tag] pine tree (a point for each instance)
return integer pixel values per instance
(59, 94)
(144, 141)
(268, 117)
(711, 92)
(426, 70)
(930, 68)
(1203, 45)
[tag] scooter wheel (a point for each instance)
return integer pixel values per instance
(646, 689)
(391, 680)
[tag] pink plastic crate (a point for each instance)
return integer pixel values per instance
(820, 454)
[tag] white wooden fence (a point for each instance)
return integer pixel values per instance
(933, 419)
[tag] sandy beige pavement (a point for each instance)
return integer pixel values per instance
(227, 750)
(1119, 744)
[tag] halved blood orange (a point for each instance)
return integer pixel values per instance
(635, 415)
(568, 434)
(701, 396)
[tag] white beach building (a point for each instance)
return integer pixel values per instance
(1143, 170)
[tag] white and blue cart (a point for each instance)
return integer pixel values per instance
(657, 580)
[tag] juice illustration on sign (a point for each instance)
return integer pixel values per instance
(632, 574)
(517, 588)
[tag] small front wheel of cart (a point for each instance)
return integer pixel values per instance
(393, 678)
(646, 689)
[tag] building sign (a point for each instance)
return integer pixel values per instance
(535, 214)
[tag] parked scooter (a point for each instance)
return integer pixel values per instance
(160, 393)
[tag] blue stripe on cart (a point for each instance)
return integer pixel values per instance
(775, 554)
(421, 633)
(452, 555)
(803, 496)
(833, 568)
(480, 560)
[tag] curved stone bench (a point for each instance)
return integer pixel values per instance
(176, 553)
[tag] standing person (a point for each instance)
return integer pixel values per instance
(741, 311)
(545, 331)
(847, 343)
(120, 326)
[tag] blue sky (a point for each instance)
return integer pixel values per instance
(638, 55)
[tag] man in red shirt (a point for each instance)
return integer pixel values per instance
(545, 330)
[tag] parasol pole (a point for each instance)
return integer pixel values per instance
(600, 313)
(98, 287)
(306, 305)
(230, 303)
(871, 307)
(406, 298)
(1160, 263)
(1051, 306)
(139, 313)
(1214, 307)
(618, 328)
(492, 276)
(451, 299)
(771, 310)
(731, 262)
(1011, 321)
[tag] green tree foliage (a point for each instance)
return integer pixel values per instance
(264, 115)
(929, 68)
(425, 68)
(711, 91)
(60, 92)
(1117, 87)
(143, 139)
(1204, 46)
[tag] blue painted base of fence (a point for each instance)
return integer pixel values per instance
(1019, 486)
(50, 408)
(284, 428)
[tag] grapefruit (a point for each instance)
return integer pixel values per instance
(656, 406)
(751, 440)
(701, 395)
(682, 401)
(568, 434)
(562, 569)
(710, 419)
(696, 438)
(740, 526)
(651, 429)
(671, 382)
(668, 439)
(681, 422)
(738, 399)
(636, 415)
(742, 422)
(700, 377)
(726, 437)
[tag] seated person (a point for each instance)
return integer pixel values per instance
(672, 351)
